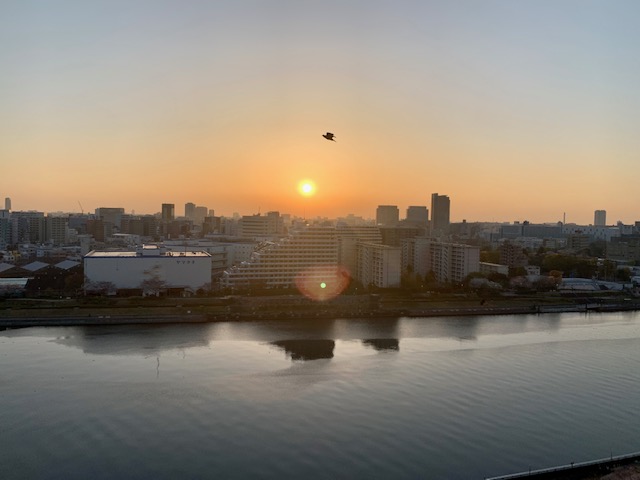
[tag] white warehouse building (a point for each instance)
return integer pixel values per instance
(150, 266)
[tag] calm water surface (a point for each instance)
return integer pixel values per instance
(445, 398)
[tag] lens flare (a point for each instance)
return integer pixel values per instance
(323, 282)
(306, 188)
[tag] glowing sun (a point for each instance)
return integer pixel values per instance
(306, 188)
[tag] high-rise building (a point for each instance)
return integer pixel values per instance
(5, 229)
(190, 210)
(261, 226)
(28, 227)
(111, 217)
(311, 252)
(199, 215)
(387, 215)
(96, 227)
(418, 215)
(7, 203)
(168, 212)
(211, 225)
(393, 236)
(379, 265)
(512, 254)
(440, 206)
(349, 237)
(600, 218)
(452, 262)
(57, 229)
(449, 262)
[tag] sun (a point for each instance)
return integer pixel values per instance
(306, 188)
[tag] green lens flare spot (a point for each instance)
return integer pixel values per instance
(323, 285)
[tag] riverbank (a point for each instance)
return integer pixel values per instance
(623, 467)
(101, 311)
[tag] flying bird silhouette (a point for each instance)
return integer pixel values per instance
(329, 136)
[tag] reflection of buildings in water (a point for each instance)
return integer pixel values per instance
(307, 349)
(145, 340)
(359, 328)
(272, 330)
(381, 344)
(457, 328)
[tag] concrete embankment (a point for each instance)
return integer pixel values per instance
(591, 470)
(74, 321)
(42, 318)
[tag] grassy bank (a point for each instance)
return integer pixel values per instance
(97, 310)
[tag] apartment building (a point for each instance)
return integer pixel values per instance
(311, 251)
(449, 262)
(379, 265)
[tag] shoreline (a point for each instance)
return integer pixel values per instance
(619, 466)
(53, 318)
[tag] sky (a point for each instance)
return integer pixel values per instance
(517, 110)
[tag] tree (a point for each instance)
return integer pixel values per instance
(99, 288)
(623, 274)
(597, 248)
(546, 284)
(517, 272)
(490, 256)
(570, 265)
(153, 284)
(73, 283)
(500, 278)
(410, 280)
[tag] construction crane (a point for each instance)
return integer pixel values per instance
(81, 209)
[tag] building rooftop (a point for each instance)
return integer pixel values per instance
(67, 264)
(146, 253)
(6, 266)
(35, 266)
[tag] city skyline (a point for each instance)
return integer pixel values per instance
(168, 212)
(516, 111)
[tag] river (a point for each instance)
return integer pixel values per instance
(442, 398)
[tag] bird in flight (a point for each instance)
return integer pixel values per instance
(329, 136)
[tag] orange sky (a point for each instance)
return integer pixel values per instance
(517, 111)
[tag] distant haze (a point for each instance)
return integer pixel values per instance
(515, 110)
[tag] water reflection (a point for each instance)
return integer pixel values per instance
(382, 344)
(312, 349)
(143, 340)
(381, 334)
(273, 330)
(365, 328)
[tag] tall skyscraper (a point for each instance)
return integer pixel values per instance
(418, 215)
(111, 216)
(7, 203)
(199, 215)
(440, 206)
(168, 212)
(600, 218)
(57, 229)
(261, 226)
(28, 227)
(5, 229)
(190, 210)
(387, 215)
